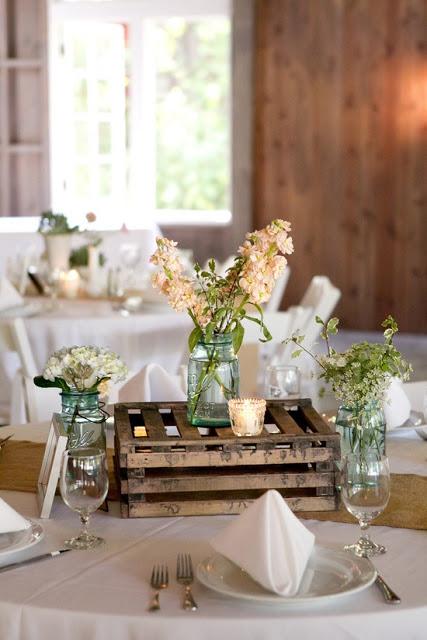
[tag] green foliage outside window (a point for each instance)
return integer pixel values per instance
(192, 114)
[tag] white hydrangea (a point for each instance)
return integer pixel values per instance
(84, 368)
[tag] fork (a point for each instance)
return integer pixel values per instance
(184, 576)
(159, 580)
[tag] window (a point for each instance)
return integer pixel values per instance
(140, 111)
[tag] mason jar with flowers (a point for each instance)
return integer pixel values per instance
(217, 305)
(360, 378)
(82, 374)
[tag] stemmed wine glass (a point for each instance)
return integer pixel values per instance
(365, 491)
(84, 487)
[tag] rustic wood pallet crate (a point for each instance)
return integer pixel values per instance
(176, 469)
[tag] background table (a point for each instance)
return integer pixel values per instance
(104, 594)
(155, 334)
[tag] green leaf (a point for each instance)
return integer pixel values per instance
(297, 353)
(319, 320)
(332, 326)
(194, 337)
(238, 334)
(211, 264)
(58, 383)
(267, 334)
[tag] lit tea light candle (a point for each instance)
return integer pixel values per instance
(70, 283)
(247, 416)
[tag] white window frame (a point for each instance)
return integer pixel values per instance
(137, 14)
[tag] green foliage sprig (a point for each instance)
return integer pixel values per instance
(362, 373)
(55, 224)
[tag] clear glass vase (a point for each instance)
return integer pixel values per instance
(213, 379)
(84, 419)
(362, 429)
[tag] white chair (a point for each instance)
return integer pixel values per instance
(277, 296)
(28, 402)
(322, 297)
(152, 384)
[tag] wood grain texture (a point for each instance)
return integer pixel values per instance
(341, 149)
(164, 472)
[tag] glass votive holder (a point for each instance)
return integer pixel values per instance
(247, 416)
(282, 381)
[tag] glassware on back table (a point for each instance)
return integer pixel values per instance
(282, 381)
(84, 487)
(365, 490)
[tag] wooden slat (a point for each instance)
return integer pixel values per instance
(268, 439)
(122, 424)
(222, 506)
(225, 432)
(224, 458)
(208, 482)
(315, 421)
(284, 421)
(184, 427)
(154, 424)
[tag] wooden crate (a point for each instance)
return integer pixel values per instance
(175, 470)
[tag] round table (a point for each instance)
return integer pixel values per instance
(104, 593)
(155, 334)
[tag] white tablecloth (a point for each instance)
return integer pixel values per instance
(103, 594)
(156, 334)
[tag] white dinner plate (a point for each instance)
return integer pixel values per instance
(20, 540)
(331, 573)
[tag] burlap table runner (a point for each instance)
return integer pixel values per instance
(20, 464)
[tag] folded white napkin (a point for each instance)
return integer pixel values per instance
(9, 297)
(269, 543)
(10, 520)
(396, 405)
(152, 384)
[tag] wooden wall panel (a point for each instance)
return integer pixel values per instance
(341, 149)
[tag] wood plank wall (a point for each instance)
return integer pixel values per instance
(341, 149)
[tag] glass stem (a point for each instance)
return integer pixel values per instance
(364, 526)
(84, 520)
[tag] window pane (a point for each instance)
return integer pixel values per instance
(80, 95)
(105, 177)
(192, 112)
(82, 181)
(104, 95)
(104, 137)
(93, 153)
(79, 53)
(81, 135)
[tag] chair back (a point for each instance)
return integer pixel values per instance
(24, 403)
(277, 322)
(276, 297)
(321, 297)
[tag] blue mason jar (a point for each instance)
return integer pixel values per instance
(83, 419)
(362, 428)
(213, 378)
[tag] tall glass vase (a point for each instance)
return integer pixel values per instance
(362, 428)
(213, 379)
(84, 419)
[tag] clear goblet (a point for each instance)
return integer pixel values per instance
(282, 381)
(365, 490)
(84, 487)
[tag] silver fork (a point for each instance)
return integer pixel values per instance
(159, 580)
(185, 576)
